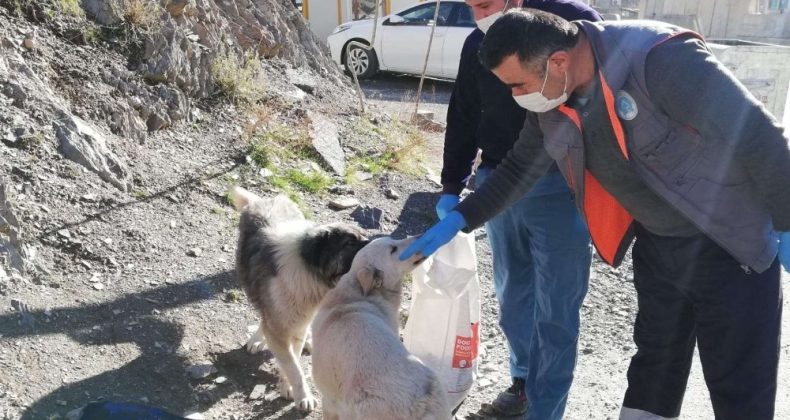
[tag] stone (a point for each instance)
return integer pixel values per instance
(364, 176)
(343, 203)
(201, 370)
(82, 144)
(158, 122)
(303, 80)
(195, 252)
(325, 139)
(391, 194)
(29, 43)
(176, 7)
(434, 179)
(258, 392)
(368, 217)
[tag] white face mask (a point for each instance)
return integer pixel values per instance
(536, 102)
(489, 20)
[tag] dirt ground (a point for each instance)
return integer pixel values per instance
(139, 289)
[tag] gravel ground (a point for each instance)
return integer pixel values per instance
(137, 289)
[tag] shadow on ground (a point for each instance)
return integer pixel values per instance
(159, 371)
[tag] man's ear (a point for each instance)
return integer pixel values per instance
(559, 60)
(369, 278)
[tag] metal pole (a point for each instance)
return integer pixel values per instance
(425, 63)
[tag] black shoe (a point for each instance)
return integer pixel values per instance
(511, 402)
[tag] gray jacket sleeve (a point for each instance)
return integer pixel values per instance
(524, 165)
(692, 87)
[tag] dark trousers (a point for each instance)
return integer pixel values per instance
(691, 291)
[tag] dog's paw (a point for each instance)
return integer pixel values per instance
(255, 346)
(306, 404)
(256, 342)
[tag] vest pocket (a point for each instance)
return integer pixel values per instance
(726, 207)
(674, 154)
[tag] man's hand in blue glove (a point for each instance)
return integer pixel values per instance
(784, 250)
(438, 235)
(446, 204)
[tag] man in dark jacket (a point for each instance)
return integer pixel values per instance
(659, 142)
(540, 246)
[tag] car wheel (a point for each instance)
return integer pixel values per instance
(361, 61)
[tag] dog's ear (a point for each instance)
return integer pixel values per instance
(369, 278)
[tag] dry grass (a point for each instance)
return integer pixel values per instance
(238, 78)
(70, 7)
(145, 14)
(404, 150)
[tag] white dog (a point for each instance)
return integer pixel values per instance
(360, 366)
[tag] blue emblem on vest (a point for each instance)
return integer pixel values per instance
(625, 106)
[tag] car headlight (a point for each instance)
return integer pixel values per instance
(341, 28)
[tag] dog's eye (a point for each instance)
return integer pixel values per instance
(393, 249)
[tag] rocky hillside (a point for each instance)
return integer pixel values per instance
(93, 82)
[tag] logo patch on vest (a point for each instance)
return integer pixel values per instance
(626, 106)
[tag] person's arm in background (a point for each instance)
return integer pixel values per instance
(460, 139)
(524, 165)
(686, 81)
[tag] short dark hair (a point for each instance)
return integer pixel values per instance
(531, 34)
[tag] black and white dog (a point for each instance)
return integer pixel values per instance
(286, 265)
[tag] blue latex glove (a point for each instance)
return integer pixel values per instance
(784, 250)
(438, 235)
(446, 204)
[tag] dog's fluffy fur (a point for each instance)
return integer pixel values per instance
(360, 366)
(286, 265)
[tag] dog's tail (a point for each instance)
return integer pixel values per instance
(280, 208)
(241, 197)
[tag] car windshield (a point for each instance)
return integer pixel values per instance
(424, 14)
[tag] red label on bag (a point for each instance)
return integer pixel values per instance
(465, 351)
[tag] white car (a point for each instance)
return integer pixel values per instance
(402, 40)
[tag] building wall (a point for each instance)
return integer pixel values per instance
(743, 19)
(763, 69)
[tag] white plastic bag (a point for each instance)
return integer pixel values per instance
(444, 320)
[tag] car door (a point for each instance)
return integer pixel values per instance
(461, 24)
(403, 44)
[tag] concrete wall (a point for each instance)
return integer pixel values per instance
(722, 18)
(763, 69)
(323, 17)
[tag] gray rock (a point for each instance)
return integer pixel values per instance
(84, 145)
(368, 217)
(364, 176)
(176, 7)
(258, 392)
(391, 194)
(343, 203)
(201, 371)
(16, 93)
(303, 80)
(157, 121)
(326, 142)
(195, 252)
